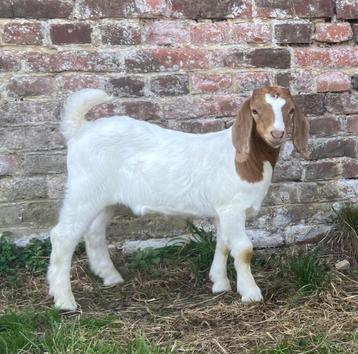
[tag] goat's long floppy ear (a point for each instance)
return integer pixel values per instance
(300, 132)
(241, 132)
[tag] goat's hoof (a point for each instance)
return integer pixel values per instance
(252, 296)
(113, 280)
(68, 304)
(221, 286)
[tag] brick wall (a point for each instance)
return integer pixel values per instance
(187, 65)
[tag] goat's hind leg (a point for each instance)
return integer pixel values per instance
(75, 218)
(97, 251)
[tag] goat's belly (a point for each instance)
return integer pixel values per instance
(167, 210)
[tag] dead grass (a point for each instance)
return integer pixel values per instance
(170, 308)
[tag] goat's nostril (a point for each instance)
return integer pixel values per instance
(277, 134)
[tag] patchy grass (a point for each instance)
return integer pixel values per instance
(163, 308)
(343, 237)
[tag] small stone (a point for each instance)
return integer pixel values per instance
(343, 265)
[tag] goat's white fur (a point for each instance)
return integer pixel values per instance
(277, 103)
(120, 160)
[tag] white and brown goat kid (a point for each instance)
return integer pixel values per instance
(120, 160)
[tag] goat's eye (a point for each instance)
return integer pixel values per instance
(254, 111)
(292, 110)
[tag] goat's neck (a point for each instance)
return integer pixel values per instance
(252, 169)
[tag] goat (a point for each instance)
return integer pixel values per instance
(120, 160)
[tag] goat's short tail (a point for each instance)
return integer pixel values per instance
(76, 107)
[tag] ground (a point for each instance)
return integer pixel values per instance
(168, 309)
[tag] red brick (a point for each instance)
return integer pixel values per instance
(352, 124)
(37, 8)
(291, 33)
(71, 33)
(144, 110)
(333, 32)
(206, 33)
(350, 169)
(23, 33)
(251, 33)
(170, 85)
(337, 147)
(31, 85)
(305, 8)
(75, 82)
(312, 57)
(311, 104)
(211, 9)
(347, 9)
(6, 10)
(152, 8)
(333, 82)
(167, 32)
(181, 58)
(252, 80)
(121, 33)
(270, 58)
(325, 126)
(8, 164)
(210, 83)
(344, 56)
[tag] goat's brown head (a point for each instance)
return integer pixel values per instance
(271, 111)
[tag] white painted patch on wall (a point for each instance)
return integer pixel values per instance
(277, 103)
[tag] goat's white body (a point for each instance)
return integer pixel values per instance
(152, 169)
(120, 160)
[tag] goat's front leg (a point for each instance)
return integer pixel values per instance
(232, 225)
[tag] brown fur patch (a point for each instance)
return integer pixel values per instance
(251, 170)
(246, 255)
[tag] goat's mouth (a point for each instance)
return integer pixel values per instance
(274, 143)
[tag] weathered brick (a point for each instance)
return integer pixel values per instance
(33, 164)
(121, 33)
(292, 33)
(288, 171)
(307, 8)
(333, 82)
(9, 62)
(344, 56)
(354, 81)
(347, 9)
(106, 8)
(153, 8)
(16, 188)
(321, 170)
(233, 58)
(282, 193)
(211, 9)
(297, 81)
(36, 8)
(352, 124)
(29, 33)
(34, 138)
(24, 86)
(311, 104)
(251, 33)
(27, 112)
(74, 82)
(56, 186)
(270, 58)
(8, 164)
(170, 85)
(337, 147)
(167, 32)
(333, 32)
(144, 110)
(6, 10)
(44, 213)
(127, 86)
(70, 33)
(206, 33)
(11, 214)
(248, 81)
(325, 126)
(210, 83)
(313, 57)
(198, 126)
(350, 169)
(342, 103)
(355, 32)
